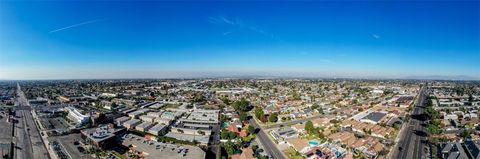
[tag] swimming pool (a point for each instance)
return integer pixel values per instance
(225, 124)
(337, 152)
(313, 142)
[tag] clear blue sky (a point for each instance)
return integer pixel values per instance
(84, 39)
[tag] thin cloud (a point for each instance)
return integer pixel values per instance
(237, 24)
(226, 33)
(74, 25)
(376, 36)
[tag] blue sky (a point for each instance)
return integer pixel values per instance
(88, 39)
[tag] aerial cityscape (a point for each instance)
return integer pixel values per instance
(239, 79)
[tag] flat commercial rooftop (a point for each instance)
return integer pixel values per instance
(191, 138)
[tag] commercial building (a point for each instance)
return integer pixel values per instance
(154, 114)
(137, 113)
(163, 121)
(372, 117)
(144, 127)
(121, 120)
(131, 123)
(158, 129)
(102, 136)
(147, 118)
(196, 127)
(76, 116)
(201, 139)
(171, 115)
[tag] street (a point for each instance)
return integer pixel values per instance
(27, 140)
(412, 142)
(268, 144)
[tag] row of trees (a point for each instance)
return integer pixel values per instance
(227, 135)
(259, 114)
(310, 129)
(434, 125)
(241, 107)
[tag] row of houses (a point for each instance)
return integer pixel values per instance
(372, 129)
(470, 149)
(369, 146)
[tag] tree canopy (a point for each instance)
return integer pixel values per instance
(241, 105)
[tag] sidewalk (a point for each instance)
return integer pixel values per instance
(44, 136)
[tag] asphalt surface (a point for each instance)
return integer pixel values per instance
(28, 143)
(412, 142)
(269, 146)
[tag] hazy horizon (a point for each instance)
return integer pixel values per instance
(156, 39)
(226, 75)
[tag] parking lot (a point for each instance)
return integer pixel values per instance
(6, 128)
(5, 134)
(59, 123)
(72, 145)
(54, 126)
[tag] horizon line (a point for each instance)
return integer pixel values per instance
(433, 78)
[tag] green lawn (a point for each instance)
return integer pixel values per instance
(170, 106)
(292, 154)
(116, 154)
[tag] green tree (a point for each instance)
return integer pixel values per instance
(251, 129)
(224, 134)
(199, 98)
(243, 116)
(225, 100)
(432, 113)
(273, 117)
(232, 135)
(434, 127)
(258, 112)
(229, 147)
(241, 105)
(254, 148)
(465, 133)
(315, 106)
(309, 126)
(180, 131)
(262, 157)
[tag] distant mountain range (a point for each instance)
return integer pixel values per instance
(440, 77)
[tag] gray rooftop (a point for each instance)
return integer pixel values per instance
(375, 116)
(144, 125)
(157, 127)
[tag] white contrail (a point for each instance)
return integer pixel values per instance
(74, 25)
